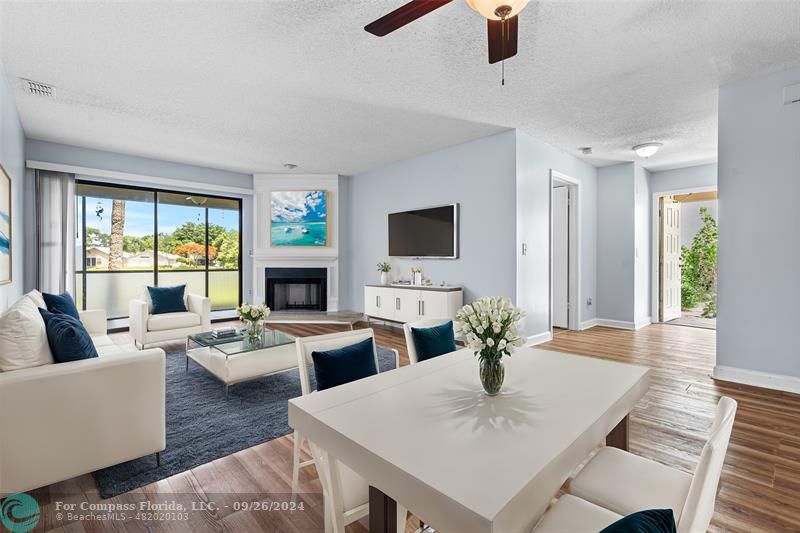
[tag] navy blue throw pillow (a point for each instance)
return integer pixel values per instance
(650, 521)
(61, 303)
(430, 342)
(68, 339)
(167, 299)
(343, 365)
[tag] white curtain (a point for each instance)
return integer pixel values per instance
(55, 232)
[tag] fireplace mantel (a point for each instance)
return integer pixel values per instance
(266, 256)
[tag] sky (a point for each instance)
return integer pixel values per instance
(139, 217)
(299, 206)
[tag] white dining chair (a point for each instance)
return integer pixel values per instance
(413, 358)
(571, 514)
(625, 483)
(345, 493)
(305, 347)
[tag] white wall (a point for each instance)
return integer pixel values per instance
(12, 157)
(480, 176)
(616, 265)
(535, 159)
(759, 187)
(691, 221)
(684, 178)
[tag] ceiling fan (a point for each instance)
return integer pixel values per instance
(501, 17)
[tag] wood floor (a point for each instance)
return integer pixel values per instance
(760, 487)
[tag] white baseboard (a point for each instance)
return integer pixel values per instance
(586, 324)
(621, 324)
(539, 338)
(757, 378)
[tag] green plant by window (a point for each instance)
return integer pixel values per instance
(699, 268)
(384, 267)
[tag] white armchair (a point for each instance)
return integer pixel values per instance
(146, 328)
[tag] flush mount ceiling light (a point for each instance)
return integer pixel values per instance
(289, 166)
(500, 15)
(586, 150)
(647, 149)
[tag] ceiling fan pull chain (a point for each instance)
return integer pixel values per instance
(503, 49)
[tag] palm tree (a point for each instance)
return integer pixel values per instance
(117, 229)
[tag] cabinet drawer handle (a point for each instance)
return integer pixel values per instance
(377, 301)
(397, 303)
(423, 307)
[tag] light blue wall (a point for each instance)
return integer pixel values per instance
(616, 243)
(759, 185)
(194, 177)
(535, 159)
(480, 176)
(684, 178)
(88, 157)
(12, 157)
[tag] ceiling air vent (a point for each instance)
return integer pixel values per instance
(38, 88)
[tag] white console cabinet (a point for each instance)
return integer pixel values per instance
(410, 303)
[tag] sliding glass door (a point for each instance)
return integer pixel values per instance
(131, 237)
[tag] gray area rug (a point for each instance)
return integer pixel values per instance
(202, 426)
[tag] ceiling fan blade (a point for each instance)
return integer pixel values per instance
(502, 39)
(403, 15)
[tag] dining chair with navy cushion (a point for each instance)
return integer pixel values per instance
(429, 338)
(344, 357)
(640, 483)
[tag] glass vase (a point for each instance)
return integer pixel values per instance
(254, 330)
(492, 375)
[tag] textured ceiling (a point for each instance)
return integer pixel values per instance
(249, 86)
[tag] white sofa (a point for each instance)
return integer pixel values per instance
(62, 420)
(146, 328)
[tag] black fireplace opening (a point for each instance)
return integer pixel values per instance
(297, 289)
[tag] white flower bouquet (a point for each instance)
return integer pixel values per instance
(251, 312)
(253, 315)
(490, 327)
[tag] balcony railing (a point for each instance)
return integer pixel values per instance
(112, 290)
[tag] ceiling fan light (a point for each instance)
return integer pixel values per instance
(487, 8)
(647, 149)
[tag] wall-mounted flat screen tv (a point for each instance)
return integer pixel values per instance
(431, 232)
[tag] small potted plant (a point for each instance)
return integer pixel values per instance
(489, 326)
(384, 268)
(253, 316)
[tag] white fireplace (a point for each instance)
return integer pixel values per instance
(292, 257)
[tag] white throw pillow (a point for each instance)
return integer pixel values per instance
(37, 298)
(23, 337)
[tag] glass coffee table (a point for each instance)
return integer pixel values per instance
(239, 359)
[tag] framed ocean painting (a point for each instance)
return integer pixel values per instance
(299, 218)
(5, 226)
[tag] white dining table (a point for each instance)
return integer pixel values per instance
(427, 436)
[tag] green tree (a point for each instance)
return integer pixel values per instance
(699, 268)
(228, 246)
(94, 237)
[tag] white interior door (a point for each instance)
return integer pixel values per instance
(670, 265)
(561, 257)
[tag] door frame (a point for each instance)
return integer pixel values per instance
(656, 244)
(574, 260)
